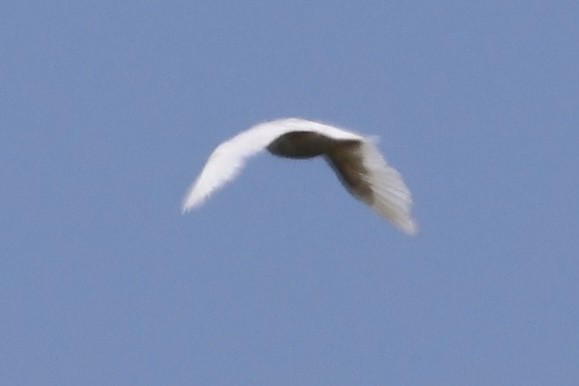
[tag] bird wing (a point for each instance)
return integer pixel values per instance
(227, 160)
(365, 173)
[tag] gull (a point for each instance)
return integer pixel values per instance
(354, 158)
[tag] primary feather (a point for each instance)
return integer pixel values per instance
(355, 159)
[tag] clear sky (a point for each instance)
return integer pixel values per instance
(109, 109)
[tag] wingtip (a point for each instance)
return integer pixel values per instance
(190, 202)
(186, 206)
(411, 228)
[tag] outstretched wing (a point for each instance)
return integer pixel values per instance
(228, 158)
(225, 163)
(365, 173)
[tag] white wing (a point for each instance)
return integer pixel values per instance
(229, 157)
(391, 198)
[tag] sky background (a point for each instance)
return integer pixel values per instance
(109, 109)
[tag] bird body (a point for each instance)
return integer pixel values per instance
(354, 158)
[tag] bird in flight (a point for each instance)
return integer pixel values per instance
(354, 158)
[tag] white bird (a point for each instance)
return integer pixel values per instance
(354, 158)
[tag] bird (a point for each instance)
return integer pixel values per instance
(355, 159)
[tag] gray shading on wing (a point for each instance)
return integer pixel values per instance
(366, 175)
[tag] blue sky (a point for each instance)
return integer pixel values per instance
(108, 111)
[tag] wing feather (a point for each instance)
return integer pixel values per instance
(391, 198)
